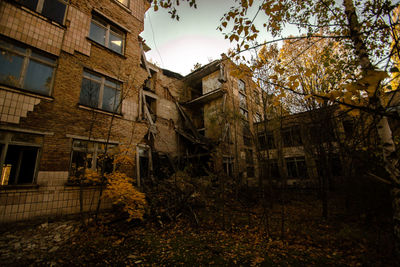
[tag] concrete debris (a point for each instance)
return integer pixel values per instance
(30, 242)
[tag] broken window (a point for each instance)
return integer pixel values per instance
(91, 155)
(241, 86)
(271, 168)
(246, 140)
(228, 166)
(291, 137)
(244, 113)
(26, 68)
(144, 161)
(242, 101)
(250, 171)
(257, 117)
(266, 141)
(107, 34)
(19, 157)
(151, 105)
(256, 97)
(296, 167)
(100, 92)
(52, 9)
(249, 156)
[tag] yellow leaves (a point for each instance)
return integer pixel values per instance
(354, 112)
(308, 72)
(92, 176)
(121, 192)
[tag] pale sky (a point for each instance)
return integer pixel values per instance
(193, 39)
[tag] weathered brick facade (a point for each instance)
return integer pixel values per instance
(88, 49)
(57, 116)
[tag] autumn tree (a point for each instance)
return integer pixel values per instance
(365, 27)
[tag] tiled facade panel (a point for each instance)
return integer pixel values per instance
(13, 106)
(21, 25)
(28, 204)
(77, 31)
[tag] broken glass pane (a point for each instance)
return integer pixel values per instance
(111, 98)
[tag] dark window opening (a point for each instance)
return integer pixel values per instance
(247, 141)
(266, 141)
(249, 156)
(296, 167)
(20, 153)
(52, 9)
(292, 137)
(250, 171)
(228, 166)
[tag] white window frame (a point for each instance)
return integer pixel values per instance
(27, 57)
(101, 92)
(96, 19)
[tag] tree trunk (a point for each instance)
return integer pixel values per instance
(384, 132)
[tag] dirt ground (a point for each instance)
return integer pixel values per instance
(244, 238)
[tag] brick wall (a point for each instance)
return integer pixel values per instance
(59, 115)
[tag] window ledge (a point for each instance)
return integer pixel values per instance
(122, 6)
(25, 92)
(105, 47)
(19, 186)
(75, 185)
(118, 115)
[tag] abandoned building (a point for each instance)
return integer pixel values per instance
(301, 148)
(75, 85)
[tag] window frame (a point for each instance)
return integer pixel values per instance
(242, 86)
(257, 117)
(6, 142)
(296, 161)
(40, 5)
(256, 97)
(101, 91)
(288, 136)
(96, 152)
(244, 113)
(242, 100)
(106, 24)
(29, 56)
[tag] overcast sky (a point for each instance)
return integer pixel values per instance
(179, 45)
(193, 39)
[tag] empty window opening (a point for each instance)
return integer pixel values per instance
(19, 157)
